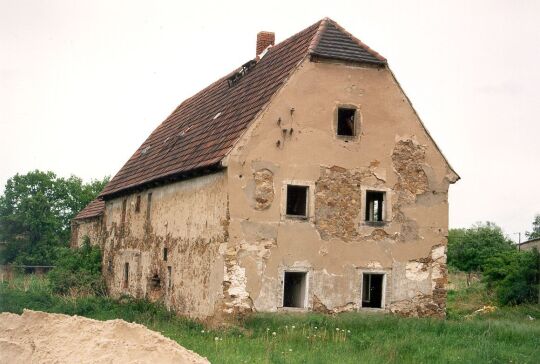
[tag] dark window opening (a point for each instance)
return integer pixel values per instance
(123, 223)
(169, 274)
(374, 206)
(148, 207)
(155, 281)
(372, 290)
(138, 204)
(126, 275)
(294, 289)
(110, 266)
(297, 197)
(346, 124)
(165, 251)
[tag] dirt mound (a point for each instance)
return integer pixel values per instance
(39, 337)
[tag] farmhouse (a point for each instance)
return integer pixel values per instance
(303, 180)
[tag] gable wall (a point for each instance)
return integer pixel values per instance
(392, 153)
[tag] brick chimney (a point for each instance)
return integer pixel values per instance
(264, 39)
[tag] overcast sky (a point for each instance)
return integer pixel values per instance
(83, 83)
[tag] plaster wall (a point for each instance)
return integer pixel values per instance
(295, 140)
(91, 228)
(189, 219)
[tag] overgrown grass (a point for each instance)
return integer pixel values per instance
(507, 335)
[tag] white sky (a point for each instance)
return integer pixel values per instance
(83, 83)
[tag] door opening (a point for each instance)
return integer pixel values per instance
(294, 289)
(372, 290)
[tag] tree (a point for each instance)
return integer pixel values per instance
(35, 213)
(513, 275)
(469, 249)
(535, 233)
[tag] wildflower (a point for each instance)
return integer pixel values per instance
(267, 329)
(337, 328)
(221, 339)
(202, 331)
(273, 333)
(216, 338)
(348, 331)
(290, 349)
(316, 327)
(293, 326)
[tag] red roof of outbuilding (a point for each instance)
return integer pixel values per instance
(204, 128)
(93, 209)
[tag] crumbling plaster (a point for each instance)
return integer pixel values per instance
(393, 152)
(189, 218)
(91, 228)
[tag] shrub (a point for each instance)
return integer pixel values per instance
(78, 271)
(513, 275)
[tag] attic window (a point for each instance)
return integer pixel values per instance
(297, 199)
(346, 122)
(374, 206)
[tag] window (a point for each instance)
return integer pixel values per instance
(372, 290)
(126, 275)
(374, 206)
(165, 251)
(297, 199)
(138, 204)
(169, 277)
(123, 223)
(148, 206)
(346, 122)
(294, 289)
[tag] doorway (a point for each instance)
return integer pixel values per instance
(372, 290)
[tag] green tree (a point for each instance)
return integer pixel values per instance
(535, 233)
(35, 213)
(78, 271)
(513, 275)
(469, 249)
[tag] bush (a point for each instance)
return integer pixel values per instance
(513, 275)
(469, 249)
(78, 271)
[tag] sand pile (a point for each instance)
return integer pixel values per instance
(38, 337)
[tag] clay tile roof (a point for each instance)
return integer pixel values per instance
(204, 128)
(93, 209)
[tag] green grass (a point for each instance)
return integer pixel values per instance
(507, 335)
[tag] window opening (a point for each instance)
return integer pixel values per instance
(169, 275)
(148, 206)
(294, 289)
(372, 290)
(138, 204)
(346, 124)
(165, 252)
(297, 198)
(374, 205)
(126, 274)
